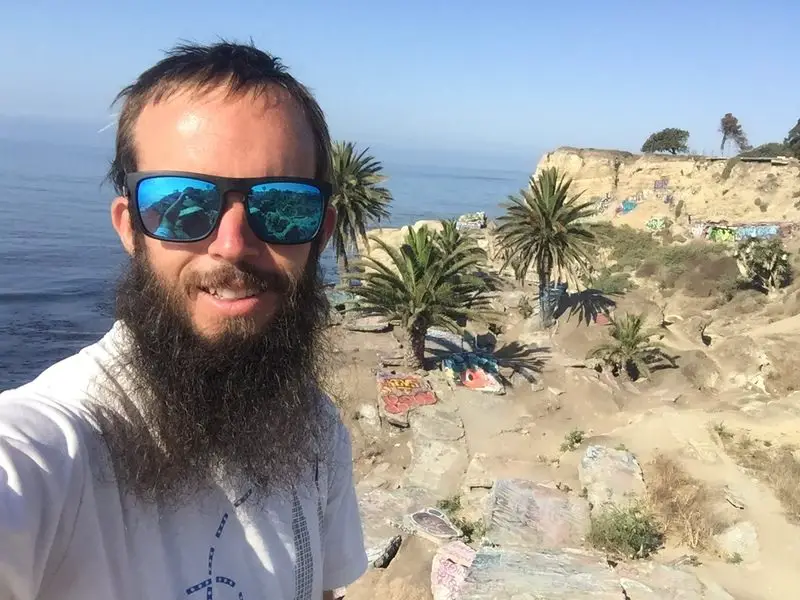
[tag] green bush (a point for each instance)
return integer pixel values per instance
(610, 282)
(630, 532)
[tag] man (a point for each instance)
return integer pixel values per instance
(190, 453)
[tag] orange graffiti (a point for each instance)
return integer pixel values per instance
(400, 393)
(475, 379)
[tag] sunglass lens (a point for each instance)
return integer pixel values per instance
(178, 208)
(286, 213)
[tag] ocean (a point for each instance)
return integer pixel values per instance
(60, 257)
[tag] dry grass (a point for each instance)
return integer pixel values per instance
(778, 466)
(684, 504)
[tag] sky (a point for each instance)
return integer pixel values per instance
(504, 80)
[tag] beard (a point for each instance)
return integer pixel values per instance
(244, 406)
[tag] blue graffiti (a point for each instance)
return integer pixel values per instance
(756, 231)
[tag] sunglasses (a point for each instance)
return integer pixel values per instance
(176, 206)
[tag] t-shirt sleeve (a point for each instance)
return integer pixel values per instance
(39, 492)
(345, 559)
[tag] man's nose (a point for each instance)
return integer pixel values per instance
(234, 240)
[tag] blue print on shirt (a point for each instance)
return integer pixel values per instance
(208, 584)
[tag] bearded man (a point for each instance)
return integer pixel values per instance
(190, 453)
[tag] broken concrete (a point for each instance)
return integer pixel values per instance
(611, 477)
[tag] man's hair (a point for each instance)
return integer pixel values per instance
(242, 68)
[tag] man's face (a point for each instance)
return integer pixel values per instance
(231, 384)
(240, 136)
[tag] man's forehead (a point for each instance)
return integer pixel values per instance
(190, 126)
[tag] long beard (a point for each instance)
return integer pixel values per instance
(245, 406)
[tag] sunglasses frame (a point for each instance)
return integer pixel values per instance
(224, 185)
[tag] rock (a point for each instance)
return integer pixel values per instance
(406, 578)
(653, 581)
(374, 324)
(520, 574)
(433, 525)
(383, 513)
(369, 419)
(610, 477)
(399, 393)
(741, 539)
(436, 466)
(700, 370)
(382, 561)
(449, 570)
(436, 424)
(524, 513)
(484, 470)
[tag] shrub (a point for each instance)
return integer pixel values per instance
(631, 532)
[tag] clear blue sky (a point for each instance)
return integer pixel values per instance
(504, 78)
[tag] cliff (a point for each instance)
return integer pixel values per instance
(633, 188)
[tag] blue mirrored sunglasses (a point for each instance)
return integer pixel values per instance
(176, 206)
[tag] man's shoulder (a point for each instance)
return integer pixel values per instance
(58, 400)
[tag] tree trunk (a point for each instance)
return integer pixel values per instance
(415, 347)
(344, 267)
(545, 306)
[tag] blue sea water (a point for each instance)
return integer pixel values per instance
(59, 256)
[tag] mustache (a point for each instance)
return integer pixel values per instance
(243, 275)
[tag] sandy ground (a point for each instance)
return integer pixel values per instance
(520, 433)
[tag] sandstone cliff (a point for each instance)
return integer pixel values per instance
(633, 188)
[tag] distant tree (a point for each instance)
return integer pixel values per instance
(731, 130)
(792, 141)
(670, 140)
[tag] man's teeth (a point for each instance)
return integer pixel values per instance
(229, 294)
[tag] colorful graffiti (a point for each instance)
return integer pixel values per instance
(657, 223)
(473, 371)
(476, 220)
(721, 234)
(661, 184)
(757, 231)
(400, 392)
(626, 206)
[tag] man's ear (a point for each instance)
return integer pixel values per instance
(328, 226)
(121, 220)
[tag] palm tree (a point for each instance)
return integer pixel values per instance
(630, 350)
(421, 286)
(358, 197)
(544, 229)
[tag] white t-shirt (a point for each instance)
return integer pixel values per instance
(66, 534)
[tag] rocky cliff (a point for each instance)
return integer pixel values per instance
(633, 188)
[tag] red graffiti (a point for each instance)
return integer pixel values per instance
(399, 404)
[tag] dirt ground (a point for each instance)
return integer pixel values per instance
(738, 376)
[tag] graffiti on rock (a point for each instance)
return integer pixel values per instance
(473, 371)
(661, 184)
(657, 223)
(626, 206)
(400, 392)
(721, 234)
(757, 231)
(476, 220)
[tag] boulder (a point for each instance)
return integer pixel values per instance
(534, 516)
(740, 539)
(611, 477)
(652, 581)
(521, 574)
(374, 324)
